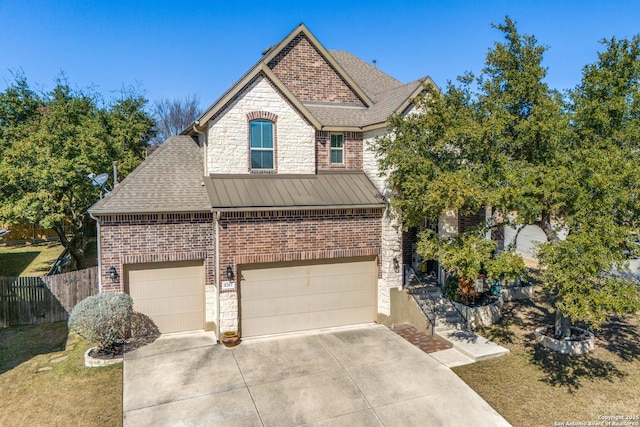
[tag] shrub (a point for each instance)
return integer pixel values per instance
(104, 319)
(508, 266)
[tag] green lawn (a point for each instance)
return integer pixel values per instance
(44, 381)
(35, 259)
(534, 386)
(25, 259)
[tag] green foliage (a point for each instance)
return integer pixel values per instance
(507, 266)
(49, 143)
(464, 255)
(451, 285)
(583, 277)
(104, 319)
(505, 139)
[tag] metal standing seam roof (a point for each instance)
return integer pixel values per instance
(169, 180)
(343, 189)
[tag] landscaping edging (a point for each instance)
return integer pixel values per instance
(485, 315)
(513, 293)
(566, 346)
(93, 362)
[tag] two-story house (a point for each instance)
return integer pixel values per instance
(268, 214)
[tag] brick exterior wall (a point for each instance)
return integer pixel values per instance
(280, 236)
(133, 239)
(244, 237)
(309, 76)
(465, 222)
(276, 236)
(352, 155)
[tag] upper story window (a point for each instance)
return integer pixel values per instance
(261, 145)
(337, 149)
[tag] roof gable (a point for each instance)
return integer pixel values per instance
(310, 76)
(332, 90)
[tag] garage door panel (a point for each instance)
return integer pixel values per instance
(295, 322)
(285, 298)
(171, 294)
(309, 303)
(315, 281)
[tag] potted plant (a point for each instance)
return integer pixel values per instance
(230, 338)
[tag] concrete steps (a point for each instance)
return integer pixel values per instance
(473, 346)
(468, 347)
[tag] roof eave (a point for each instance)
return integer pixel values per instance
(407, 102)
(261, 67)
(104, 212)
(294, 208)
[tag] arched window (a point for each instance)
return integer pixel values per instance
(261, 145)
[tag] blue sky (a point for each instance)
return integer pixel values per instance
(172, 49)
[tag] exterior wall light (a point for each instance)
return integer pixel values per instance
(113, 274)
(229, 273)
(396, 264)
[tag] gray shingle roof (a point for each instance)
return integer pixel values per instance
(373, 81)
(387, 104)
(325, 190)
(169, 180)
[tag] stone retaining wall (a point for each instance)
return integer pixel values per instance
(485, 315)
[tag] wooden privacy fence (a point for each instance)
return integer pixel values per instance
(33, 300)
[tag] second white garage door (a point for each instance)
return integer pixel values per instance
(289, 297)
(171, 293)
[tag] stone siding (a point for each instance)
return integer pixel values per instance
(228, 134)
(391, 237)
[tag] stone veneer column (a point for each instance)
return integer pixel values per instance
(228, 311)
(391, 238)
(391, 248)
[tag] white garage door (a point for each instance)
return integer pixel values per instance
(290, 297)
(171, 293)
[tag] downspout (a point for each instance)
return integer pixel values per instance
(204, 143)
(98, 252)
(217, 222)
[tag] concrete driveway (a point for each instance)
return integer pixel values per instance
(364, 376)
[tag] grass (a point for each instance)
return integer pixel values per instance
(25, 259)
(35, 259)
(44, 381)
(534, 386)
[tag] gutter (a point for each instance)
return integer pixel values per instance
(296, 208)
(194, 126)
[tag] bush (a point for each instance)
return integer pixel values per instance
(508, 267)
(104, 319)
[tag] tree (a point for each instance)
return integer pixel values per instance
(50, 150)
(173, 116)
(506, 140)
(600, 179)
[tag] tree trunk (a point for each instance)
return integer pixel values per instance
(562, 327)
(547, 227)
(76, 245)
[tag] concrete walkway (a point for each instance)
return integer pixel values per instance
(451, 347)
(364, 376)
